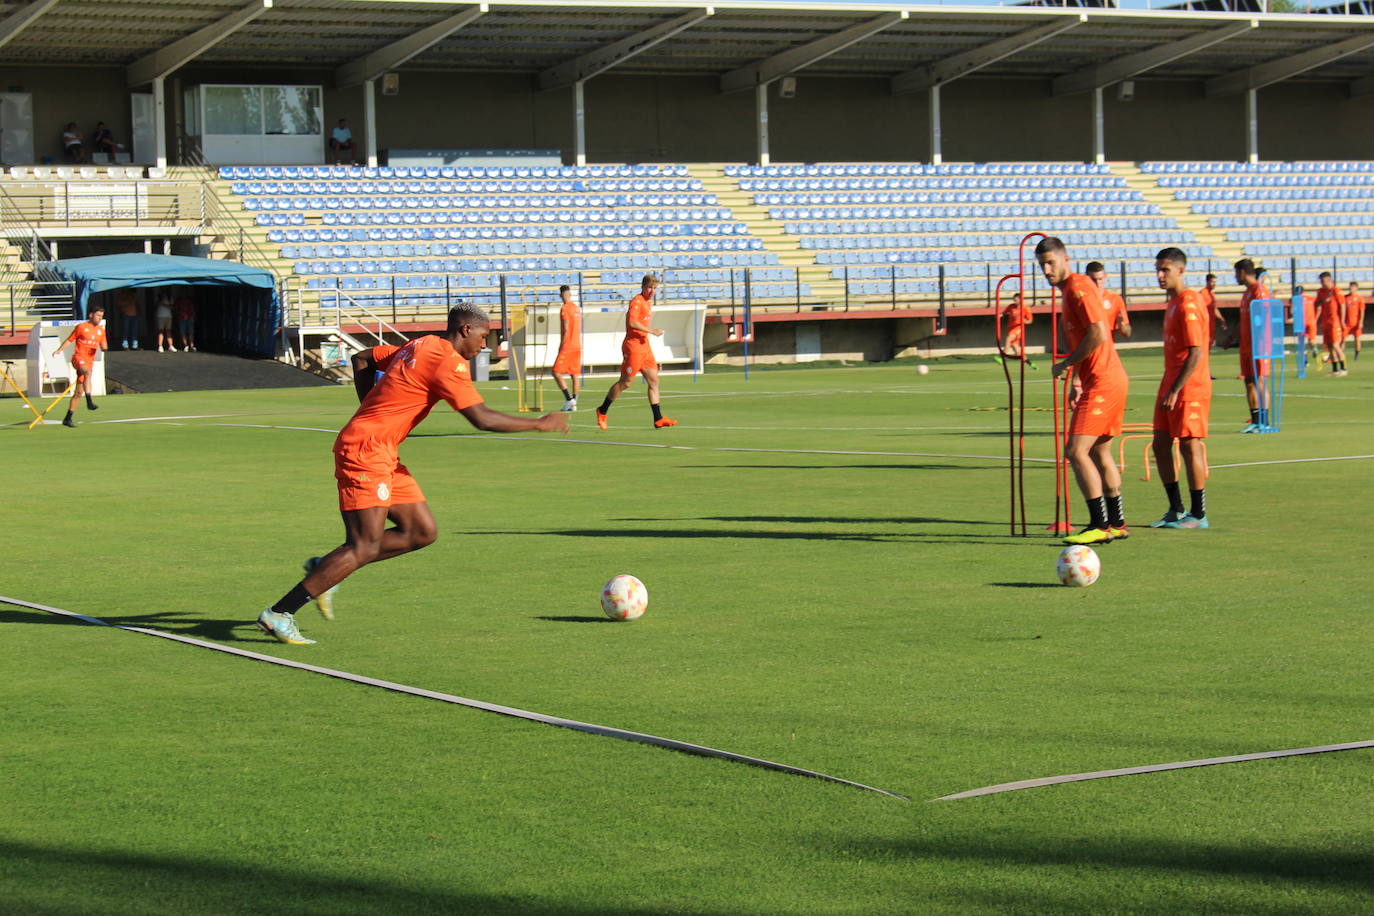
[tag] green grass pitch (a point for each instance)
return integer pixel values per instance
(832, 586)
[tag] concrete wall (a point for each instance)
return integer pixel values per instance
(84, 95)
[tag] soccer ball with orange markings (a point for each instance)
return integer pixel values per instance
(624, 598)
(1078, 566)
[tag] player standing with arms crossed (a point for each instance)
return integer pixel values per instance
(90, 340)
(374, 487)
(1248, 276)
(1185, 394)
(1100, 406)
(569, 359)
(1113, 304)
(1330, 306)
(638, 356)
(1354, 316)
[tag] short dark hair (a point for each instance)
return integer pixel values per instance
(93, 309)
(466, 313)
(1210, 277)
(1247, 266)
(1047, 244)
(649, 280)
(1324, 274)
(1172, 254)
(1354, 284)
(563, 289)
(1094, 266)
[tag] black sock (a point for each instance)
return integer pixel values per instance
(90, 403)
(1097, 512)
(293, 600)
(69, 414)
(658, 414)
(1199, 500)
(605, 405)
(1175, 497)
(1116, 515)
(566, 396)
(1254, 414)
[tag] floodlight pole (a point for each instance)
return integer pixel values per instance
(936, 151)
(1099, 128)
(579, 123)
(1252, 125)
(370, 121)
(761, 120)
(159, 122)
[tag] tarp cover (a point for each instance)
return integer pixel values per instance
(247, 322)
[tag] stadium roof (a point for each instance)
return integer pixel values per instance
(742, 43)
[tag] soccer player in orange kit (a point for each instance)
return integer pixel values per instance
(1248, 275)
(90, 340)
(1208, 296)
(1017, 316)
(1112, 303)
(569, 359)
(1330, 305)
(1354, 316)
(1101, 404)
(638, 357)
(1185, 394)
(374, 487)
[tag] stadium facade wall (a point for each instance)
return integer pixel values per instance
(685, 119)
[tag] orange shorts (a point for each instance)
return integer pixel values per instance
(569, 362)
(1333, 335)
(82, 367)
(1099, 412)
(1247, 366)
(637, 358)
(1187, 420)
(1015, 333)
(369, 486)
(1353, 330)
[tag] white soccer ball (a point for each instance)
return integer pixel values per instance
(922, 369)
(624, 598)
(1078, 566)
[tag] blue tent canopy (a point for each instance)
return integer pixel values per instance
(249, 321)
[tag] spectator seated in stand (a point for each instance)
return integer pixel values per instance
(103, 141)
(341, 141)
(73, 144)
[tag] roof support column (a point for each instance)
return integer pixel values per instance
(1252, 125)
(936, 153)
(579, 123)
(1099, 128)
(370, 121)
(761, 121)
(159, 123)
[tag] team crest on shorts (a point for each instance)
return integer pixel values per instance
(383, 491)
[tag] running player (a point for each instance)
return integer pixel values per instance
(1185, 394)
(374, 487)
(90, 339)
(569, 359)
(1015, 318)
(1331, 316)
(1354, 316)
(1248, 275)
(638, 356)
(1216, 322)
(1101, 404)
(1112, 303)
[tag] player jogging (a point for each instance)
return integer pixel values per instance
(638, 357)
(1248, 276)
(1016, 316)
(374, 487)
(90, 339)
(569, 359)
(1113, 304)
(1215, 322)
(1100, 406)
(1354, 316)
(1330, 307)
(1185, 394)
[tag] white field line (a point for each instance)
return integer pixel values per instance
(1254, 464)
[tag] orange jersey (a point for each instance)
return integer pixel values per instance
(1082, 308)
(1017, 316)
(89, 338)
(1330, 305)
(571, 317)
(416, 377)
(1309, 313)
(1185, 327)
(1115, 308)
(1354, 313)
(641, 311)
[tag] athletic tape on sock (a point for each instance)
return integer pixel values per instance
(588, 727)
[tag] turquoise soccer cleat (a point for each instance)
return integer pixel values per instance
(1189, 521)
(283, 628)
(1169, 520)
(325, 600)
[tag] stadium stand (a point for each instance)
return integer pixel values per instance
(1301, 217)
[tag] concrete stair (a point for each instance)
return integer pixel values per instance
(1224, 252)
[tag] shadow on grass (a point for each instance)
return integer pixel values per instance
(575, 619)
(47, 879)
(1026, 584)
(178, 622)
(837, 467)
(821, 519)
(728, 534)
(1331, 868)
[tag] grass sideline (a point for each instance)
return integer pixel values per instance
(849, 602)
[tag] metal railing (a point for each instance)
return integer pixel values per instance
(37, 300)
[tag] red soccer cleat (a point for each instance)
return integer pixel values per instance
(664, 422)
(600, 420)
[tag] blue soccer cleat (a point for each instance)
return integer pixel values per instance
(324, 600)
(1169, 520)
(283, 628)
(1189, 521)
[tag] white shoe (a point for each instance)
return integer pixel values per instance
(161, 350)
(172, 349)
(570, 405)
